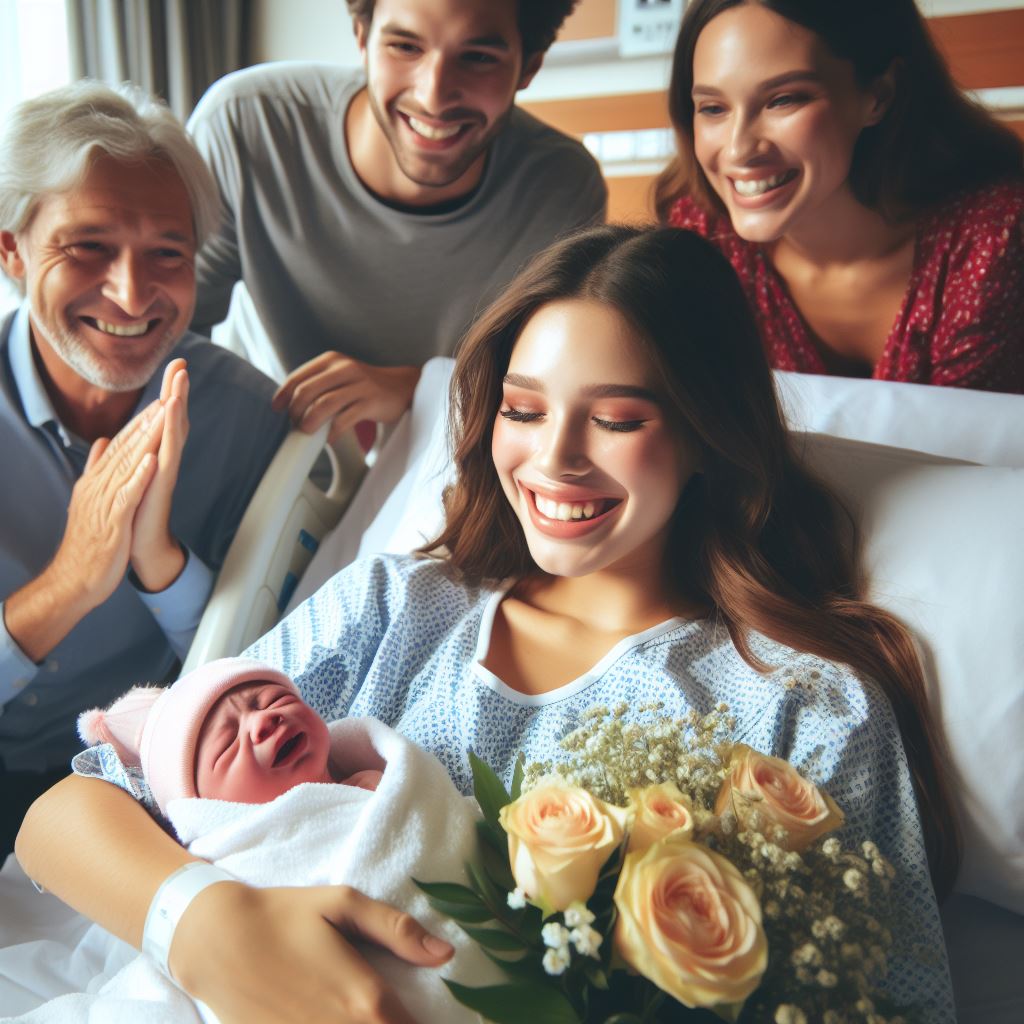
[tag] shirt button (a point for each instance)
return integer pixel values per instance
(53, 666)
(19, 684)
(155, 610)
(31, 700)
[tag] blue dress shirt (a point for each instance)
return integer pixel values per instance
(133, 636)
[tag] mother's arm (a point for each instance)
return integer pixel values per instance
(252, 955)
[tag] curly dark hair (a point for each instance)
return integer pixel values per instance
(539, 20)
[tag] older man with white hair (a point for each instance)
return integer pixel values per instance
(111, 526)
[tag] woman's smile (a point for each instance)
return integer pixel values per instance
(588, 455)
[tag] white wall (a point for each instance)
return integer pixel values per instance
(302, 30)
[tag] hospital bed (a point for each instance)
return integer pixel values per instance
(934, 478)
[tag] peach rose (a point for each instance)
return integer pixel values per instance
(657, 812)
(690, 923)
(775, 789)
(559, 836)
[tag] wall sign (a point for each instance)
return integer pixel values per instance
(648, 26)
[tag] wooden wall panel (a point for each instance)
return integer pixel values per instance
(984, 51)
(592, 19)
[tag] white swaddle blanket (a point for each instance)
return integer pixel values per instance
(415, 824)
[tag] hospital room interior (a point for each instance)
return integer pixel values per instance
(590, 433)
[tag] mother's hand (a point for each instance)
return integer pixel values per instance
(277, 955)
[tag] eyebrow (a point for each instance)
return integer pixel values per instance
(492, 42)
(101, 230)
(518, 380)
(787, 78)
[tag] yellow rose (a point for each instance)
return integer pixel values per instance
(690, 923)
(657, 812)
(559, 837)
(776, 790)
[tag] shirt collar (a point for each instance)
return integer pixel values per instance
(35, 401)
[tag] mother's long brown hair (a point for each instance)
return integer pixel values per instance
(754, 536)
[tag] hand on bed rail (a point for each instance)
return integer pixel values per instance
(279, 955)
(334, 386)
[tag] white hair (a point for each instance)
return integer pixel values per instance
(47, 145)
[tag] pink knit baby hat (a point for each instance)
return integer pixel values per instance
(157, 727)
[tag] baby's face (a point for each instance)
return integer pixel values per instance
(257, 742)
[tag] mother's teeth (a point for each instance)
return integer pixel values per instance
(759, 187)
(123, 330)
(564, 510)
(428, 131)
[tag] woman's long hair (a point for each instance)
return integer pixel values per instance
(754, 537)
(932, 142)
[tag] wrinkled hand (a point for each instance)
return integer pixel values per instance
(156, 557)
(271, 956)
(332, 386)
(94, 551)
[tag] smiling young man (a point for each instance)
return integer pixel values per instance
(371, 213)
(111, 528)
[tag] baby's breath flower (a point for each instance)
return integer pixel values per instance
(556, 960)
(555, 936)
(586, 940)
(853, 879)
(789, 1014)
(826, 979)
(516, 899)
(808, 955)
(831, 848)
(576, 915)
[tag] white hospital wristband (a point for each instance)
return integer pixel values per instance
(172, 899)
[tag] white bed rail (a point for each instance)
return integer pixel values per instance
(278, 535)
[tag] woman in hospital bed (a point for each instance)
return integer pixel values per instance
(628, 524)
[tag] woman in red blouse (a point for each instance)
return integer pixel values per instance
(871, 211)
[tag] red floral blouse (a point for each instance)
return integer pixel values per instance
(962, 319)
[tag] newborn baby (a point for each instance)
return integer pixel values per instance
(236, 762)
(232, 730)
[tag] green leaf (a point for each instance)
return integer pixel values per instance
(495, 898)
(492, 938)
(461, 913)
(529, 966)
(458, 902)
(517, 776)
(449, 892)
(490, 794)
(595, 975)
(495, 863)
(728, 1011)
(514, 1003)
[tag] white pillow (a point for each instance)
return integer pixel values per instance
(944, 551)
(976, 426)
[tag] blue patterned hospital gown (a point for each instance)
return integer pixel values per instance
(395, 639)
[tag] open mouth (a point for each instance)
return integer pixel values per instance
(287, 748)
(437, 133)
(121, 330)
(752, 188)
(573, 511)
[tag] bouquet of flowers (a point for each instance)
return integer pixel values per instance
(665, 873)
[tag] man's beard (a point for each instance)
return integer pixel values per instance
(452, 171)
(109, 375)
